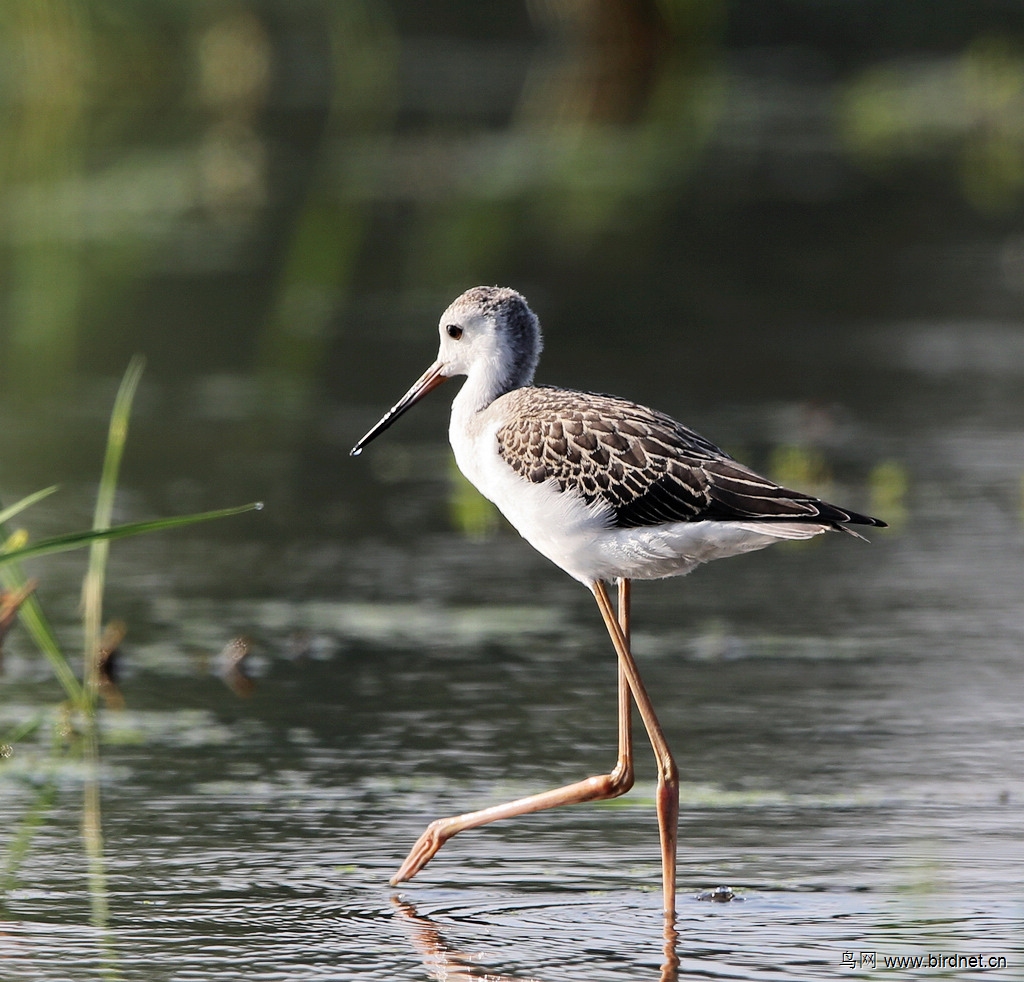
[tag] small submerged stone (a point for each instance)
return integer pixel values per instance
(720, 895)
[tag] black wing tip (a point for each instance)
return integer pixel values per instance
(854, 519)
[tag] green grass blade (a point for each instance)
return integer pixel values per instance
(19, 506)
(31, 617)
(92, 604)
(99, 549)
(31, 613)
(21, 731)
(77, 540)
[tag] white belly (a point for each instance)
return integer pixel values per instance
(579, 537)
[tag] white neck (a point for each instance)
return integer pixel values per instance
(482, 386)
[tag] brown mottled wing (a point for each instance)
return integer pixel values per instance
(646, 466)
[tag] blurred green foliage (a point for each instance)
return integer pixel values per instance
(211, 182)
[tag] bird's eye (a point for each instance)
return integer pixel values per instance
(454, 331)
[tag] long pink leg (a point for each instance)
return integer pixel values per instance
(611, 785)
(625, 695)
(668, 773)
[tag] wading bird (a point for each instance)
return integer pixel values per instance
(609, 491)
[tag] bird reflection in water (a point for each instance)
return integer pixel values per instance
(446, 964)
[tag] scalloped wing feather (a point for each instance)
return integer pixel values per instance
(650, 469)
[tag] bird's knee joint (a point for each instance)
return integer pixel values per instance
(621, 779)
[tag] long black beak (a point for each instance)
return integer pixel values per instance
(427, 382)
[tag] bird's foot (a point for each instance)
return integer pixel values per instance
(434, 836)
